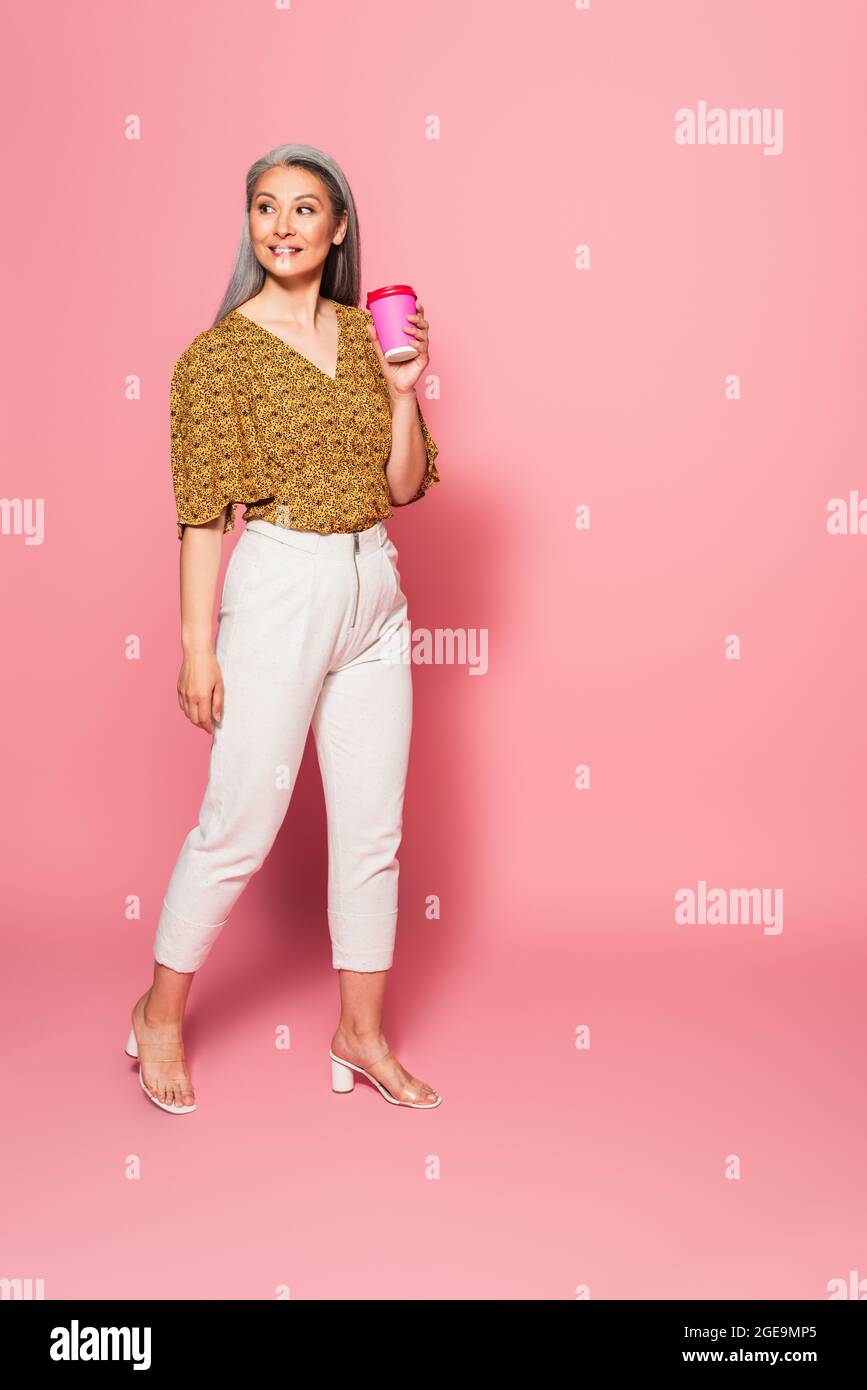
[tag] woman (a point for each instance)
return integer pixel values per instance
(287, 405)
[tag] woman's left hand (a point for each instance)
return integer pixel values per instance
(401, 377)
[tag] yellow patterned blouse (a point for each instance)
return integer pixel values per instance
(253, 421)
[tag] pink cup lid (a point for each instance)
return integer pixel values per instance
(389, 289)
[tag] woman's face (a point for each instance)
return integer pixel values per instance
(291, 209)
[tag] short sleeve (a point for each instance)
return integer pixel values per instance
(214, 462)
(431, 475)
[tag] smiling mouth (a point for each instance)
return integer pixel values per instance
(286, 250)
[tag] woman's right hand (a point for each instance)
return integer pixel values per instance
(200, 689)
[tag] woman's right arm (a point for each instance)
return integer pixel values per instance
(200, 683)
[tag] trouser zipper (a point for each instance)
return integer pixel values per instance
(355, 548)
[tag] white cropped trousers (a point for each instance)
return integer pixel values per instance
(312, 629)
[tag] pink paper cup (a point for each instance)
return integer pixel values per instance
(389, 307)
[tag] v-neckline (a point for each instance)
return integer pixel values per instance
(275, 337)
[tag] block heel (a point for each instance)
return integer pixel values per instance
(342, 1079)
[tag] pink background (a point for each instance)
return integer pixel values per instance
(603, 1167)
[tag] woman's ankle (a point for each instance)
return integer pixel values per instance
(157, 1020)
(360, 1037)
(157, 1014)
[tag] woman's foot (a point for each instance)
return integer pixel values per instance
(374, 1054)
(156, 1037)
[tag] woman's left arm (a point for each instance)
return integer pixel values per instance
(410, 469)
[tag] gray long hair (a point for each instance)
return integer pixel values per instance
(341, 277)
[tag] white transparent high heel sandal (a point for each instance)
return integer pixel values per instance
(343, 1080)
(133, 1049)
